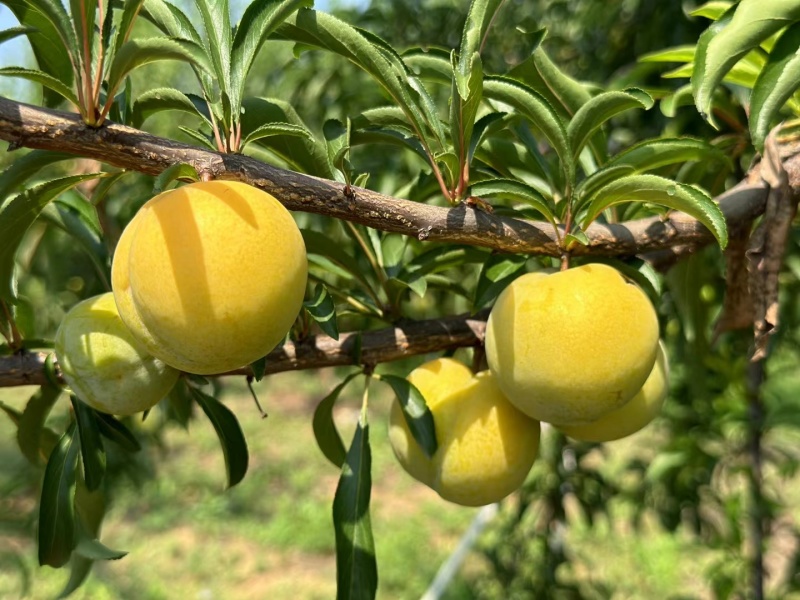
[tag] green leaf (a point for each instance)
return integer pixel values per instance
(318, 243)
(24, 167)
(325, 432)
(12, 32)
(516, 191)
(325, 31)
(170, 19)
(776, 83)
(681, 54)
(56, 506)
(301, 153)
(498, 271)
(481, 129)
(200, 138)
(600, 109)
(416, 413)
(275, 129)
(141, 51)
(175, 172)
(598, 179)
(665, 192)
(656, 153)
(230, 435)
(130, 11)
(538, 112)
(260, 19)
(465, 98)
(92, 451)
(34, 439)
(17, 215)
(322, 309)
(49, 49)
(337, 139)
(356, 567)
(42, 78)
(476, 27)
(711, 10)
(159, 99)
(217, 23)
(730, 38)
(94, 550)
(113, 429)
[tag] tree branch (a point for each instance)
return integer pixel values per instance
(378, 346)
(128, 148)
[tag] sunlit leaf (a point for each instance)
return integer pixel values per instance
(156, 100)
(178, 171)
(516, 191)
(591, 115)
(665, 192)
(776, 83)
(498, 271)
(42, 78)
(730, 38)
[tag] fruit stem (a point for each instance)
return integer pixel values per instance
(564, 260)
(249, 380)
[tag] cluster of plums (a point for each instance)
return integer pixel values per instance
(210, 277)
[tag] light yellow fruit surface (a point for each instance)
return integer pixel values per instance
(104, 364)
(633, 416)
(570, 347)
(211, 276)
(486, 447)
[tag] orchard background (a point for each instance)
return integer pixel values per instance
(431, 152)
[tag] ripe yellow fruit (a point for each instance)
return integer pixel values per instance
(634, 415)
(486, 447)
(210, 276)
(570, 347)
(104, 364)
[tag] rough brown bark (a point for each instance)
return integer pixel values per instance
(378, 346)
(124, 147)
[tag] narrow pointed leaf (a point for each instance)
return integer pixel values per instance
(322, 309)
(498, 271)
(465, 99)
(138, 52)
(160, 99)
(416, 413)
(130, 11)
(17, 215)
(328, 438)
(42, 78)
(653, 154)
(170, 19)
(277, 129)
(177, 171)
(199, 137)
(301, 153)
(95, 550)
(34, 439)
(24, 167)
(12, 32)
(113, 429)
(83, 16)
(47, 44)
(56, 506)
(538, 112)
(92, 452)
(776, 83)
(737, 32)
(665, 192)
(231, 438)
(356, 567)
(260, 19)
(516, 191)
(591, 115)
(476, 28)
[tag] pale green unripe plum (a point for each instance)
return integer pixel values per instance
(633, 416)
(104, 364)
(570, 347)
(486, 447)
